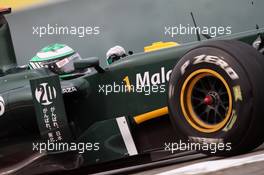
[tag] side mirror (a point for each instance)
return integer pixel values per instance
(88, 62)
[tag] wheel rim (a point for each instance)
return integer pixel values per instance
(206, 101)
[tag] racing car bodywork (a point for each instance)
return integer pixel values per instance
(139, 103)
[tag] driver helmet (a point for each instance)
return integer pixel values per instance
(58, 58)
(114, 54)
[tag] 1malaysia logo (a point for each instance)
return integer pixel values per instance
(2, 106)
(45, 94)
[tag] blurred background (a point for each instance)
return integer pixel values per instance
(131, 24)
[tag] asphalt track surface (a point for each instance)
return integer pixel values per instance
(183, 163)
(197, 164)
(201, 166)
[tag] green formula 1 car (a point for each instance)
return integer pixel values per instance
(206, 94)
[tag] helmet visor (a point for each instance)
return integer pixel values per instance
(62, 66)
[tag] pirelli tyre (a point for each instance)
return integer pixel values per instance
(216, 96)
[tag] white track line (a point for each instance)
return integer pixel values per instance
(216, 165)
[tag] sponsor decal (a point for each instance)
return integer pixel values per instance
(69, 90)
(2, 106)
(148, 82)
(157, 78)
(145, 83)
(62, 62)
(219, 61)
(45, 94)
(127, 83)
